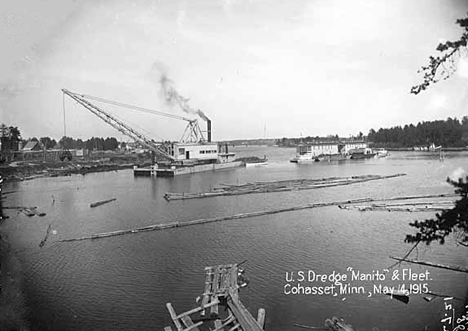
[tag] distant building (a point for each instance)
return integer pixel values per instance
(31, 145)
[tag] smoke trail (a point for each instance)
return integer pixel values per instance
(172, 97)
(170, 94)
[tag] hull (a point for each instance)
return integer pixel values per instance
(256, 164)
(362, 156)
(177, 171)
(333, 157)
(381, 152)
(320, 158)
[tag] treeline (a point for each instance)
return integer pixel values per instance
(448, 133)
(101, 144)
(94, 143)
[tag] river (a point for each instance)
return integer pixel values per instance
(124, 282)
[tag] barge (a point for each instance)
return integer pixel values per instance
(189, 158)
(173, 171)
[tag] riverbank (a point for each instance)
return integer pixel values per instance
(19, 171)
(14, 311)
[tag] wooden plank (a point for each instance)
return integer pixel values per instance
(218, 326)
(246, 320)
(174, 317)
(189, 324)
(214, 309)
(224, 279)
(207, 290)
(261, 317)
(235, 327)
(195, 310)
(226, 322)
(233, 278)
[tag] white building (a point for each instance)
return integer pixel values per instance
(194, 151)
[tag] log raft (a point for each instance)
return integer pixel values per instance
(28, 211)
(276, 186)
(222, 283)
(172, 225)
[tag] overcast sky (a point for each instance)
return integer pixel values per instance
(255, 67)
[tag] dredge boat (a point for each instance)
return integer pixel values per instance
(193, 153)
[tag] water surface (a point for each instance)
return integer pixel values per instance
(123, 283)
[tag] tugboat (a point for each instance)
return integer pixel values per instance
(253, 161)
(381, 152)
(361, 153)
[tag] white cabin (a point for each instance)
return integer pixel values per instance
(194, 151)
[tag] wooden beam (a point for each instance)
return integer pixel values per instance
(207, 290)
(246, 320)
(194, 310)
(261, 317)
(190, 325)
(431, 264)
(215, 287)
(174, 317)
(218, 326)
(235, 327)
(221, 325)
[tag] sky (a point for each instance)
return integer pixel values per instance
(256, 68)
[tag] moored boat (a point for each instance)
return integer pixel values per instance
(381, 152)
(254, 161)
(361, 153)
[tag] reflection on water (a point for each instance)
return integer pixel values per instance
(123, 283)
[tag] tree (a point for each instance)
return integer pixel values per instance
(10, 137)
(48, 142)
(455, 219)
(443, 66)
(451, 220)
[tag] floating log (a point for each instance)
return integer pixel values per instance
(431, 264)
(28, 211)
(404, 207)
(338, 324)
(444, 295)
(172, 225)
(311, 327)
(99, 203)
(43, 241)
(276, 186)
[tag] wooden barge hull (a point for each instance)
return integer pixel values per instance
(177, 171)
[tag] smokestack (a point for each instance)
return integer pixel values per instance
(208, 129)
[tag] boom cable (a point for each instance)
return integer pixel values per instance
(146, 110)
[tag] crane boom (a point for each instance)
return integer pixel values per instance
(119, 125)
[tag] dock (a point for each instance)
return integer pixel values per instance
(222, 284)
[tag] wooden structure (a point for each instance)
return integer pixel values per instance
(222, 283)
